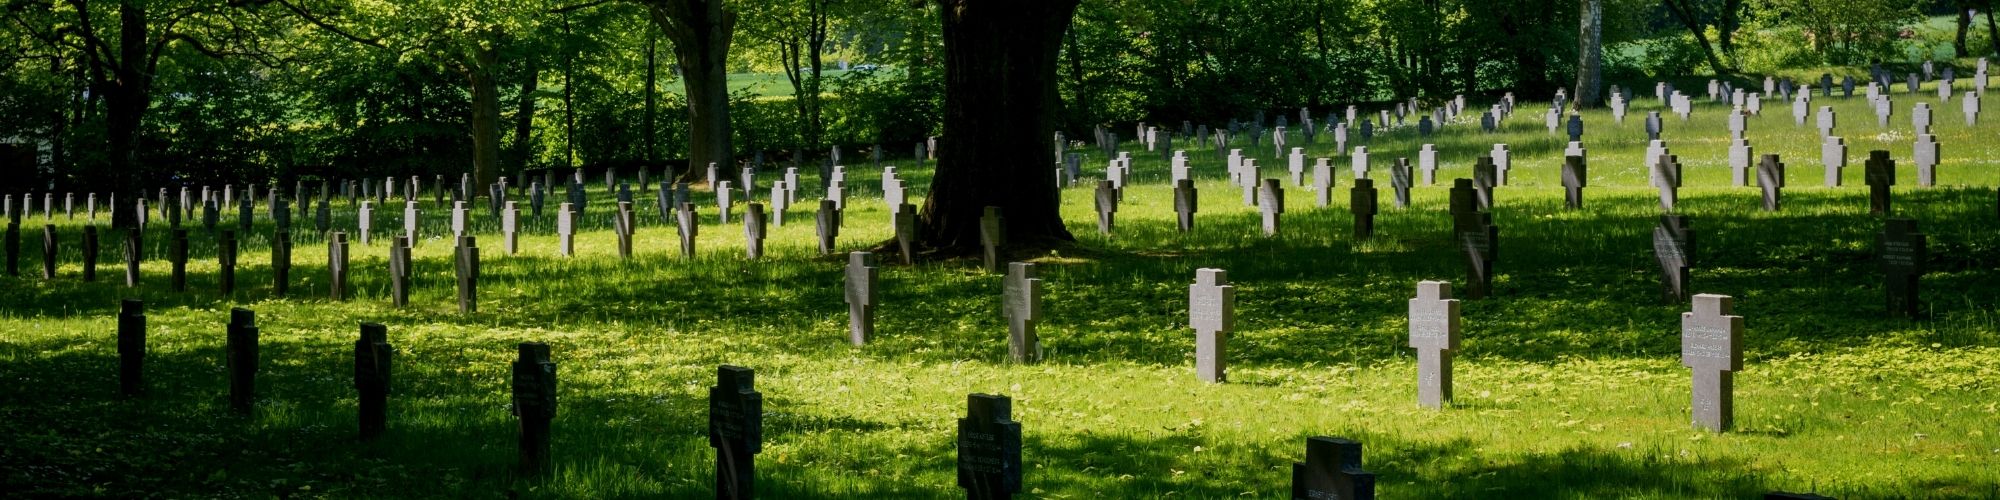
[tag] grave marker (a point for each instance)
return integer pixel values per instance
(467, 272)
(906, 232)
(1926, 154)
(1185, 205)
(510, 227)
(565, 230)
(1361, 202)
(1711, 346)
(1674, 249)
(1667, 177)
(1212, 315)
(992, 236)
(1434, 333)
(827, 225)
(1575, 177)
(1477, 238)
(1399, 182)
(240, 356)
(336, 266)
(1903, 252)
(535, 403)
(753, 230)
(736, 431)
(1107, 206)
(225, 256)
(400, 271)
(49, 248)
(1880, 172)
(1022, 306)
(862, 273)
(1771, 177)
(1332, 471)
(625, 224)
(134, 242)
(131, 347)
(1271, 203)
(373, 357)
(989, 449)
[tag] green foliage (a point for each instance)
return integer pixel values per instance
(1842, 31)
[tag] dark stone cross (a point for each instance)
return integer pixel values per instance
(535, 199)
(49, 248)
(13, 244)
(131, 347)
(1186, 203)
(1400, 180)
(1880, 173)
(399, 271)
(1332, 471)
(1022, 305)
(689, 223)
(134, 244)
(1575, 177)
(1476, 236)
(336, 266)
(1771, 177)
(862, 272)
(323, 218)
(246, 213)
(177, 255)
(1667, 177)
(1575, 128)
(1711, 345)
(826, 224)
(90, 248)
(753, 230)
(510, 227)
(535, 404)
(1434, 333)
(1654, 126)
(211, 215)
(281, 262)
(1674, 249)
(1107, 206)
(723, 190)
(736, 431)
(468, 274)
(1487, 124)
(992, 237)
(1903, 252)
(1212, 314)
(241, 359)
(1361, 201)
(225, 256)
(989, 448)
(372, 358)
(1424, 127)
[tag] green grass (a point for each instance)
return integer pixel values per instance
(1569, 384)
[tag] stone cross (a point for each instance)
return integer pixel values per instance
(1903, 252)
(1667, 178)
(1322, 183)
(1434, 332)
(132, 347)
(1711, 346)
(411, 219)
(1740, 157)
(1969, 105)
(1428, 162)
(90, 249)
(992, 236)
(535, 403)
(49, 249)
(1107, 206)
(1476, 236)
(1361, 202)
(862, 272)
(1399, 182)
(535, 199)
(1212, 314)
(989, 449)
(1271, 203)
(241, 357)
(458, 214)
(1297, 166)
(1503, 160)
(1332, 471)
(753, 230)
(1023, 309)
(1771, 177)
(399, 271)
(905, 219)
(336, 266)
(736, 431)
(373, 357)
(1925, 154)
(1250, 182)
(827, 225)
(510, 227)
(1880, 173)
(1360, 162)
(1674, 249)
(566, 229)
(1575, 177)
(625, 224)
(688, 224)
(364, 221)
(225, 256)
(1185, 204)
(177, 254)
(467, 267)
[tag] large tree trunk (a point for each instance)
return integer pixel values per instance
(701, 31)
(1992, 30)
(1964, 24)
(524, 120)
(1686, 15)
(1590, 52)
(999, 112)
(1726, 23)
(128, 94)
(485, 118)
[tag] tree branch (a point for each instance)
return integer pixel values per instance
(315, 21)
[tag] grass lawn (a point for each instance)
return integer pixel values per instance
(1569, 383)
